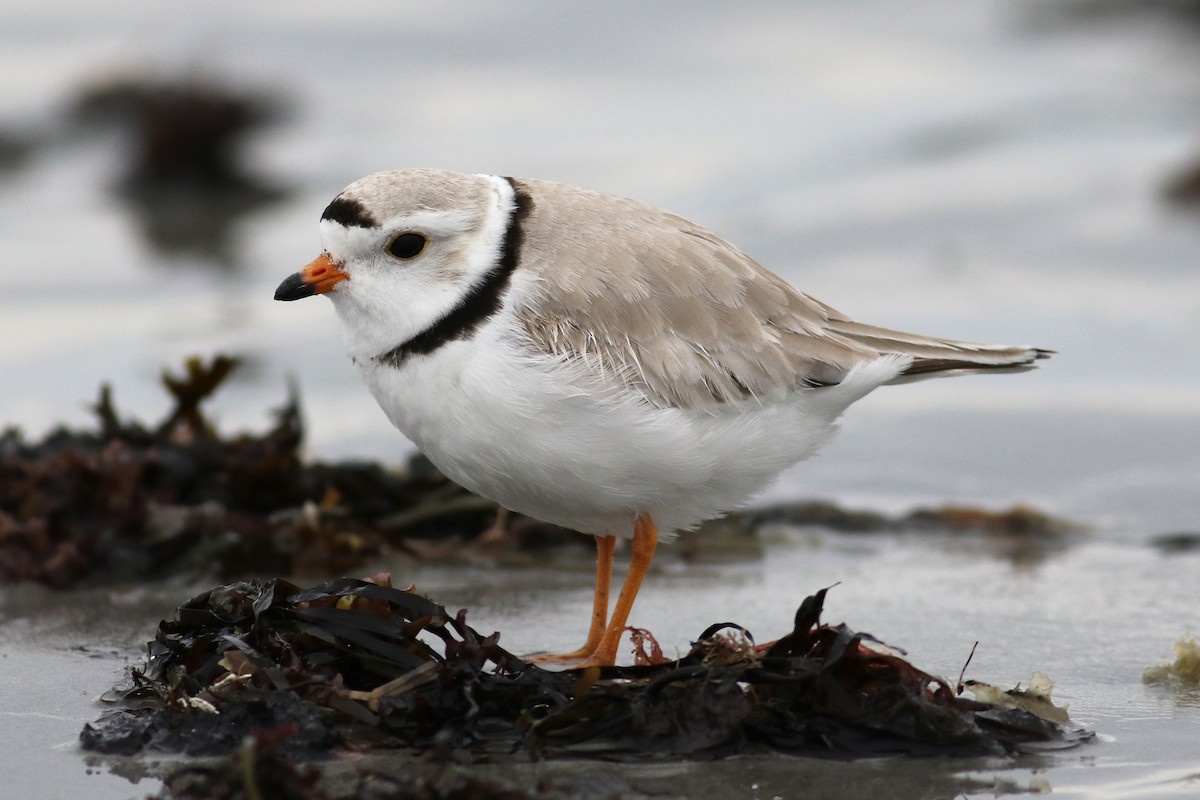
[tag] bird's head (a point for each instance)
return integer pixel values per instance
(402, 249)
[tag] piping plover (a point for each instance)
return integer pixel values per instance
(592, 361)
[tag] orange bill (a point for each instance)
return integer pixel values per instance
(321, 275)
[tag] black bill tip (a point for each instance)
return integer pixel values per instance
(294, 288)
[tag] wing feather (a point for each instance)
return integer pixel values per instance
(685, 318)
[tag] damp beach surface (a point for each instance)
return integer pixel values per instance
(997, 171)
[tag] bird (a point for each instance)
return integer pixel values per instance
(593, 361)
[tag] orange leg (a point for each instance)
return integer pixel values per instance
(645, 540)
(604, 562)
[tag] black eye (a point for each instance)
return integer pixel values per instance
(407, 245)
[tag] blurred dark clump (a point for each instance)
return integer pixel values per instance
(1177, 543)
(1103, 11)
(184, 171)
(1021, 534)
(1183, 187)
(354, 666)
(127, 501)
(15, 150)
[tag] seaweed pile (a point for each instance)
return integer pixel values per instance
(357, 664)
(134, 502)
(130, 502)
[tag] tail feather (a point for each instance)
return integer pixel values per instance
(932, 357)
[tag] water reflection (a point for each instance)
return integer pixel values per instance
(184, 176)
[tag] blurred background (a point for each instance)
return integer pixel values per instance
(998, 170)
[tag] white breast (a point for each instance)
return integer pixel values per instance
(546, 440)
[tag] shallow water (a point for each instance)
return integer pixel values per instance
(984, 169)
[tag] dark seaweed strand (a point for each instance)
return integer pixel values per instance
(350, 213)
(482, 301)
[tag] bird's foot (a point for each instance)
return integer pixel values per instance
(584, 657)
(586, 652)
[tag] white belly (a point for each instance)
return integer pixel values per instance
(535, 439)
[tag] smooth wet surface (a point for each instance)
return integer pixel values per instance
(985, 169)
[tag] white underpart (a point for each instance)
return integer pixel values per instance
(549, 439)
